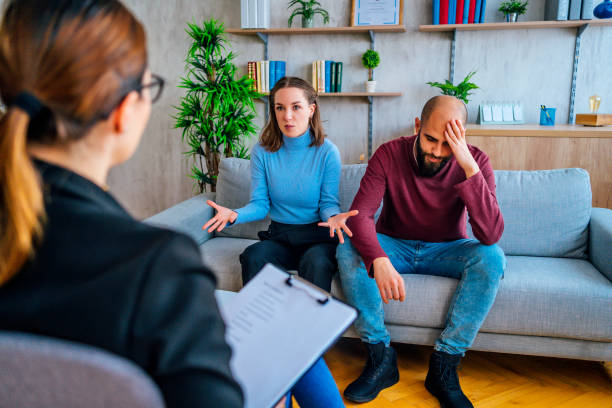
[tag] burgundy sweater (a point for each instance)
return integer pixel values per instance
(431, 209)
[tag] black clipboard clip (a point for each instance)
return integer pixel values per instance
(321, 301)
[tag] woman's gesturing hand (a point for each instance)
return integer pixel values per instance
(220, 220)
(337, 224)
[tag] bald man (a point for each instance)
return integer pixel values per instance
(428, 182)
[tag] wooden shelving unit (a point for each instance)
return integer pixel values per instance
(522, 25)
(263, 35)
(579, 25)
(357, 94)
(318, 30)
(578, 131)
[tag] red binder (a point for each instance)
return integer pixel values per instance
(472, 12)
(459, 19)
(443, 11)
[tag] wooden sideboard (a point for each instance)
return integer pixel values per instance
(534, 147)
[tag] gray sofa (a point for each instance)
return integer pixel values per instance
(556, 296)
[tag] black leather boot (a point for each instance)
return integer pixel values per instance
(442, 381)
(379, 373)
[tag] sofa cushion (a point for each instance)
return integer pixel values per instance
(234, 191)
(546, 212)
(221, 255)
(555, 297)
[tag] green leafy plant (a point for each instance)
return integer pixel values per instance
(217, 111)
(307, 9)
(513, 6)
(370, 59)
(460, 91)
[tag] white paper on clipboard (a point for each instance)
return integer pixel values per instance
(277, 331)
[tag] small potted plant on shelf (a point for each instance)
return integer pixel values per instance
(460, 91)
(512, 9)
(370, 60)
(307, 9)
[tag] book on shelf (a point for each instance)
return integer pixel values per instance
(483, 8)
(328, 76)
(338, 76)
(459, 12)
(443, 11)
(466, 11)
(556, 10)
(472, 12)
(452, 6)
(574, 10)
(263, 14)
(251, 75)
(436, 12)
(587, 10)
(252, 9)
(477, 11)
(244, 14)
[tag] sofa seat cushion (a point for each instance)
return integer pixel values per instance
(555, 297)
(221, 255)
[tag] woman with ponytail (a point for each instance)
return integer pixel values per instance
(73, 263)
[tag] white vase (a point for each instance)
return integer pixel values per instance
(371, 86)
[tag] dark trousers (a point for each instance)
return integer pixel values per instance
(305, 248)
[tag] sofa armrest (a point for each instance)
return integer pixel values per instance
(600, 240)
(187, 217)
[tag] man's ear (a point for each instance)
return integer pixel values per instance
(120, 116)
(417, 125)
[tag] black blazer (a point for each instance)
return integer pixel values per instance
(102, 278)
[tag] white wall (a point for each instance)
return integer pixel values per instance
(533, 66)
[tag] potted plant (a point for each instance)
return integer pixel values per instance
(217, 111)
(460, 91)
(307, 9)
(370, 60)
(512, 9)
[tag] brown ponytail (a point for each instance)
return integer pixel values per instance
(21, 203)
(78, 60)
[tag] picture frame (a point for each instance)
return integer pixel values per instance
(377, 13)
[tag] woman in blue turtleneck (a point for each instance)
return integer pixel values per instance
(295, 177)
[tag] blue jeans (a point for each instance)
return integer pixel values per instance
(478, 267)
(316, 389)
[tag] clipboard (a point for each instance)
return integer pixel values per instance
(278, 326)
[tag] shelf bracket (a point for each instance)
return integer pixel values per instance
(372, 39)
(370, 119)
(452, 57)
(571, 118)
(264, 39)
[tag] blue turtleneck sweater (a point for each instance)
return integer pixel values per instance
(298, 184)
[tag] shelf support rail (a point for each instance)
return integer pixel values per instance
(264, 39)
(571, 118)
(370, 118)
(372, 44)
(452, 57)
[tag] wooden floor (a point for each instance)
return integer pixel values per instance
(488, 379)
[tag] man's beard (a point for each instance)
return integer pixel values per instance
(428, 169)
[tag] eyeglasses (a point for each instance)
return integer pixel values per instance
(156, 85)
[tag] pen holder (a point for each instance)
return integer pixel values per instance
(547, 116)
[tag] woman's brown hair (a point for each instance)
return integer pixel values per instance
(271, 136)
(73, 62)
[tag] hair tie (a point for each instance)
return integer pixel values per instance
(29, 103)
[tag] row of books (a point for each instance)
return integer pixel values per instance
(255, 13)
(568, 10)
(327, 76)
(265, 74)
(459, 11)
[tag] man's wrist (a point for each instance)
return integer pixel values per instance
(471, 170)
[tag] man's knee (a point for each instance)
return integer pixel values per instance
(347, 256)
(493, 259)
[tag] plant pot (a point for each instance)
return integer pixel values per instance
(511, 17)
(371, 86)
(307, 22)
(603, 10)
